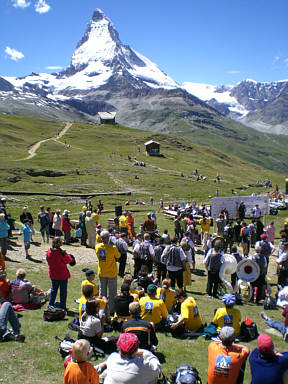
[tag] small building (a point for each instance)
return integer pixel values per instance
(152, 148)
(107, 117)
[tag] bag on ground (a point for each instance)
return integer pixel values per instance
(54, 314)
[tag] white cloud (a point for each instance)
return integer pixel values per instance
(14, 54)
(286, 61)
(20, 3)
(53, 67)
(41, 6)
(233, 72)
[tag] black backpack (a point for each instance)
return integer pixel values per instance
(248, 331)
(54, 314)
(144, 251)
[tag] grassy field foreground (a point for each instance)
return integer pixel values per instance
(38, 361)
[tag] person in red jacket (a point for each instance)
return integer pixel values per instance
(59, 274)
(66, 226)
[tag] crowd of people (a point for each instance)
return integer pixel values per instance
(153, 297)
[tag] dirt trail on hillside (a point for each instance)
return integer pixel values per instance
(33, 149)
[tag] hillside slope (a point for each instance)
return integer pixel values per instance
(92, 158)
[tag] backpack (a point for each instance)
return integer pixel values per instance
(269, 303)
(44, 220)
(265, 248)
(65, 345)
(248, 330)
(172, 318)
(214, 263)
(186, 369)
(173, 257)
(54, 314)
(158, 252)
(144, 251)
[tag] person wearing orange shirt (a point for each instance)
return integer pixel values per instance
(131, 231)
(226, 360)
(79, 371)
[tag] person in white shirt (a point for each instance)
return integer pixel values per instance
(131, 365)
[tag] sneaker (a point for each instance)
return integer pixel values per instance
(264, 316)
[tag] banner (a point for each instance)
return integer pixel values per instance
(232, 204)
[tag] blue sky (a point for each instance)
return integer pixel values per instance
(208, 41)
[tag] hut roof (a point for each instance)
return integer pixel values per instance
(107, 115)
(151, 142)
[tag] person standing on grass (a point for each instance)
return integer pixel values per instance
(57, 223)
(4, 228)
(27, 234)
(213, 261)
(245, 239)
(175, 260)
(43, 220)
(90, 225)
(226, 360)
(59, 274)
(270, 231)
(66, 226)
(27, 215)
(82, 218)
(107, 255)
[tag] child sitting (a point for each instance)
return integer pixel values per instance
(167, 294)
(79, 370)
(5, 286)
(144, 278)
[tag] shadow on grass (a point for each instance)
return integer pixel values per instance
(11, 260)
(198, 272)
(34, 260)
(160, 356)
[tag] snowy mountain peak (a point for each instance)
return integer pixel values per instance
(98, 14)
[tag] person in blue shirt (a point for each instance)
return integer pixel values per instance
(27, 233)
(4, 228)
(266, 365)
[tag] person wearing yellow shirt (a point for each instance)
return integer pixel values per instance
(190, 315)
(107, 255)
(123, 223)
(166, 294)
(98, 234)
(228, 316)
(95, 216)
(205, 224)
(152, 308)
(87, 293)
(90, 276)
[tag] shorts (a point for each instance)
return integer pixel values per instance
(26, 245)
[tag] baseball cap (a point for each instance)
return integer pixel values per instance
(66, 212)
(263, 236)
(89, 272)
(128, 342)
(265, 344)
(84, 208)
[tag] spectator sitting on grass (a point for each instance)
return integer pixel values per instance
(268, 366)
(5, 286)
(79, 370)
(226, 360)
(228, 316)
(88, 293)
(143, 329)
(7, 314)
(23, 291)
(131, 365)
(189, 312)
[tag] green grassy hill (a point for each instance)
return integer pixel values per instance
(97, 161)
